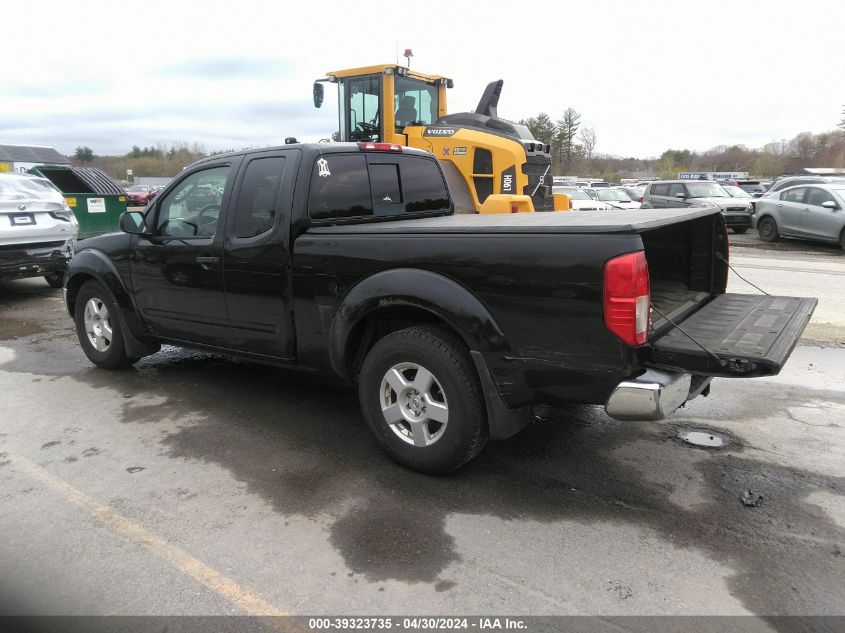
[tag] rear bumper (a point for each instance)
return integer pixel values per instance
(34, 260)
(655, 395)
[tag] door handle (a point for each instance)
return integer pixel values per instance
(780, 204)
(205, 262)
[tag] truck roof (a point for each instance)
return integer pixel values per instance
(621, 221)
(319, 148)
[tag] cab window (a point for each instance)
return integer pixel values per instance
(255, 212)
(340, 187)
(192, 208)
(360, 96)
(817, 197)
(415, 101)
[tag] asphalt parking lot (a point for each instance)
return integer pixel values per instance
(194, 484)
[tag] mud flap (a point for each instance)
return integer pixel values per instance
(749, 335)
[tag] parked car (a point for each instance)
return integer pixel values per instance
(138, 195)
(581, 199)
(754, 188)
(669, 194)
(349, 261)
(738, 192)
(37, 229)
(635, 192)
(782, 182)
(814, 212)
(616, 198)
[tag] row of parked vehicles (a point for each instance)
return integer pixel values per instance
(805, 207)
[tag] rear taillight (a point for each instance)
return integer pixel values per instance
(641, 199)
(627, 297)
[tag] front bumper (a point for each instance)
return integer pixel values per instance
(18, 261)
(737, 219)
(655, 395)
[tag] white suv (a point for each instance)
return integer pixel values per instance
(37, 229)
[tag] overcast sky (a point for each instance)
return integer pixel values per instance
(645, 75)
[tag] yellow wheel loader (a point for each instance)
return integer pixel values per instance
(492, 165)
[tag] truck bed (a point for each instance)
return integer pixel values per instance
(622, 221)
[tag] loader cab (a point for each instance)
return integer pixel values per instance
(377, 103)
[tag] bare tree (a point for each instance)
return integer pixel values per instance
(587, 136)
(567, 128)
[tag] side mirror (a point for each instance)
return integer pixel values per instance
(133, 222)
(757, 194)
(318, 94)
(829, 204)
(680, 195)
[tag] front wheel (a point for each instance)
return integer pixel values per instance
(55, 280)
(768, 230)
(420, 394)
(98, 327)
(740, 230)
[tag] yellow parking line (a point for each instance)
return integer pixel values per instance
(188, 565)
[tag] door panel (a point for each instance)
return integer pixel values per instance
(256, 259)
(790, 210)
(818, 221)
(177, 273)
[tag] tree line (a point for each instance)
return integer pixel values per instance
(573, 150)
(159, 160)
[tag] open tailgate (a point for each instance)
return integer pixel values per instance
(752, 335)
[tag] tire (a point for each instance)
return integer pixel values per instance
(55, 280)
(768, 229)
(96, 311)
(448, 411)
(740, 230)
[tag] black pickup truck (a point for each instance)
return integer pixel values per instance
(348, 260)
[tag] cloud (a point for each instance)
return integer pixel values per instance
(216, 68)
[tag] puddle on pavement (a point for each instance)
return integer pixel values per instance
(11, 328)
(703, 438)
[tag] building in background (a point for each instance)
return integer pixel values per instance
(20, 158)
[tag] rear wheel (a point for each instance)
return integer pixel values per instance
(421, 397)
(54, 280)
(740, 230)
(842, 239)
(768, 229)
(98, 327)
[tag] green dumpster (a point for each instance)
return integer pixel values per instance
(97, 201)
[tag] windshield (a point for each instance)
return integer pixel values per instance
(736, 192)
(706, 190)
(613, 195)
(839, 191)
(415, 101)
(28, 189)
(572, 192)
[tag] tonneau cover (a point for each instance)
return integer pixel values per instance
(621, 221)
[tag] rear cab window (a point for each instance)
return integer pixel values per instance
(376, 185)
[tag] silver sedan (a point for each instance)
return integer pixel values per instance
(814, 212)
